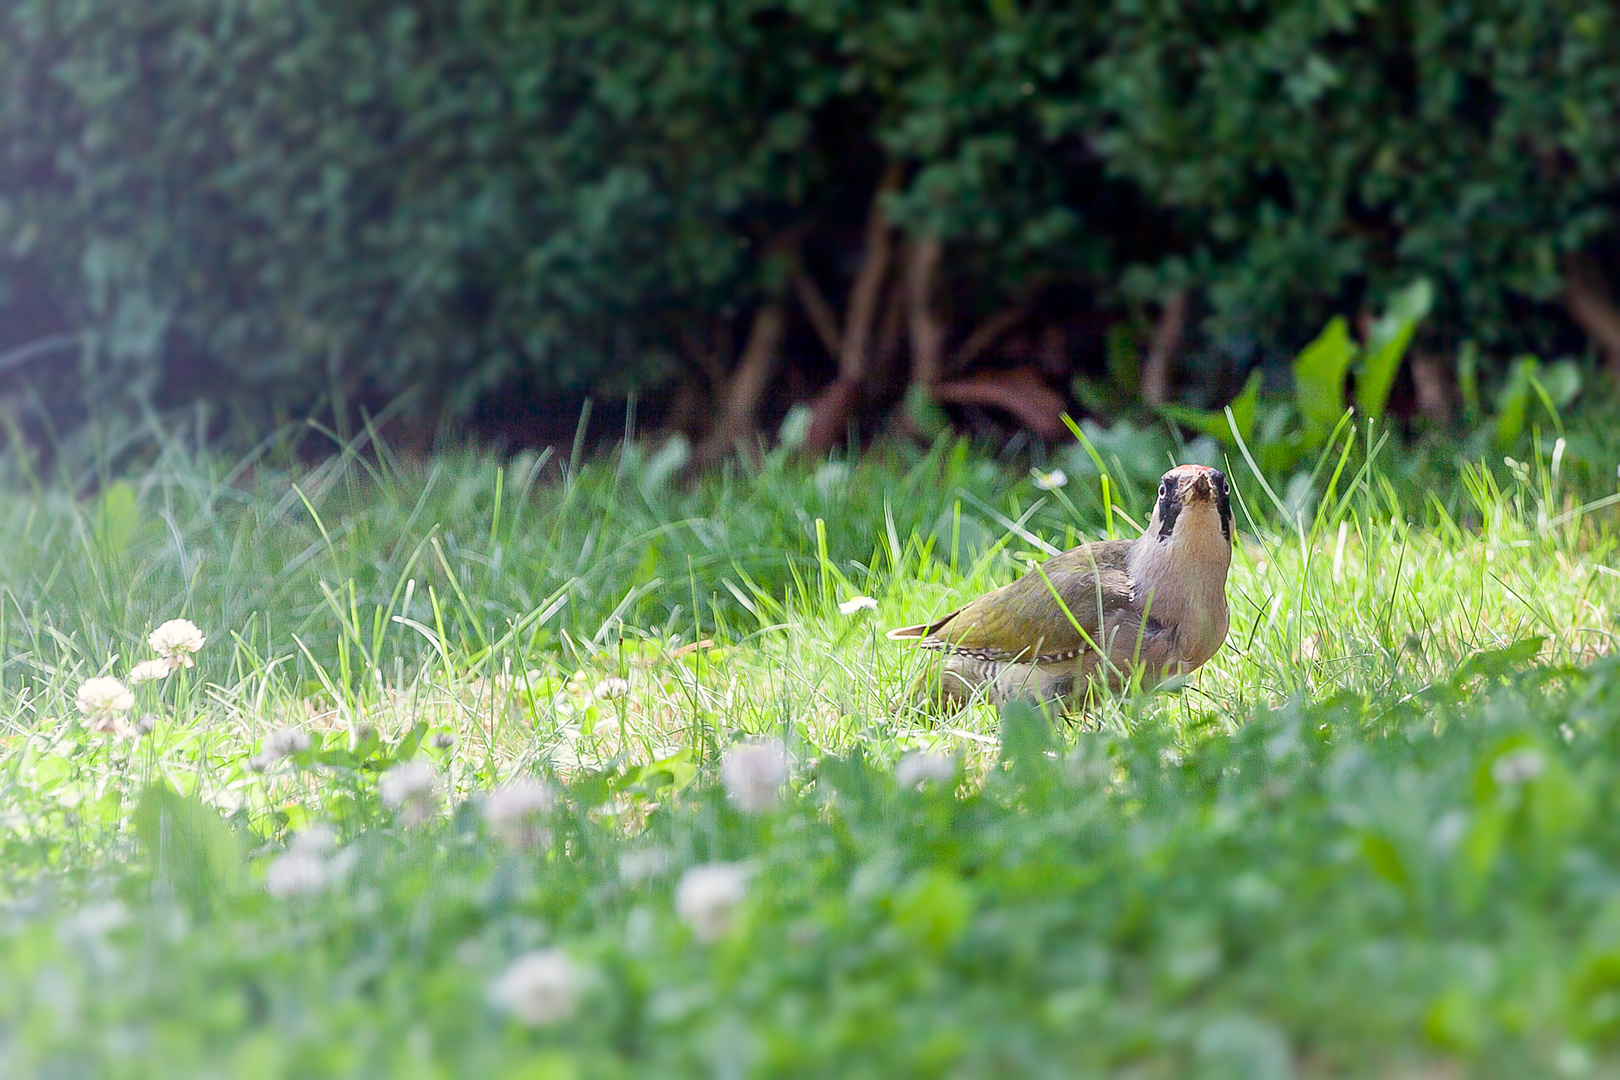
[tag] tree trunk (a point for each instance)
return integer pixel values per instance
(687, 408)
(1431, 387)
(1020, 393)
(829, 416)
(1163, 348)
(1591, 305)
(746, 386)
(927, 334)
(831, 410)
(856, 347)
(816, 309)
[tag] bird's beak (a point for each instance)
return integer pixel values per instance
(1201, 488)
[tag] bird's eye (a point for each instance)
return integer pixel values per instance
(1163, 488)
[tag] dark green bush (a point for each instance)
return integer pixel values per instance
(1315, 153)
(444, 190)
(456, 195)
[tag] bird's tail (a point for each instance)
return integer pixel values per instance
(921, 630)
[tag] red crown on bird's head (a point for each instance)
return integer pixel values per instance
(1195, 481)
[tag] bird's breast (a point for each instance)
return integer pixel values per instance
(1202, 629)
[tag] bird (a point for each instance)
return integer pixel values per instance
(1097, 612)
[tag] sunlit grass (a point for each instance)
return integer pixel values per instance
(577, 616)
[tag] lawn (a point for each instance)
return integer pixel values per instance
(443, 794)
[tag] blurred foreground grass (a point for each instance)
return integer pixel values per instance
(1372, 837)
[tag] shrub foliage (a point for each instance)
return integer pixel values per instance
(834, 199)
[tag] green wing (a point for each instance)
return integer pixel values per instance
(1025, 620)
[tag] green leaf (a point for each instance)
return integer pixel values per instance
(50, 771)
(1561, 381)
(1243, 407)
(591, 789)
(934, 909)
(675, 772)
(1476, 855)
(1319, 372)
(1385, 859)
(1495, 663)
(105, 810)
(1513, 401)
(1026, 736)
(1558, 803)
(193, 850)
(1454, 1021)
(1212, 422)
(412, 740)
(1387, 344)
(1094, 395)
(1203, 421)
(852, 777)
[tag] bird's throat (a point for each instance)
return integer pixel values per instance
(1181, 580)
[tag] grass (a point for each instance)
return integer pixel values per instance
(1310, 859)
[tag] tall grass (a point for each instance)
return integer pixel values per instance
(490, 597)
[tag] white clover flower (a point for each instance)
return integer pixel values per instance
(857, 603)
(95, 921)
(753, 774)
(296, 873)
(642, 864)
(176, 641)
(318, 839)
(1518, 767)
(149, 671)
(1049, 481)
(921, 766)
(310, 864)
(104, 701)
(412, 789)
(1450, 829)
(539, 988)
(611, 687)
(279, 745)
(403, 783)
(286, 742)
(517, 813)
(707, 898)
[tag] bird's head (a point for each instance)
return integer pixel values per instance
(1194, 508)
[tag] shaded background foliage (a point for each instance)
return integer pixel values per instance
(744, 204)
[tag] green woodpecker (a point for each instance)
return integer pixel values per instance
(1157, 603)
